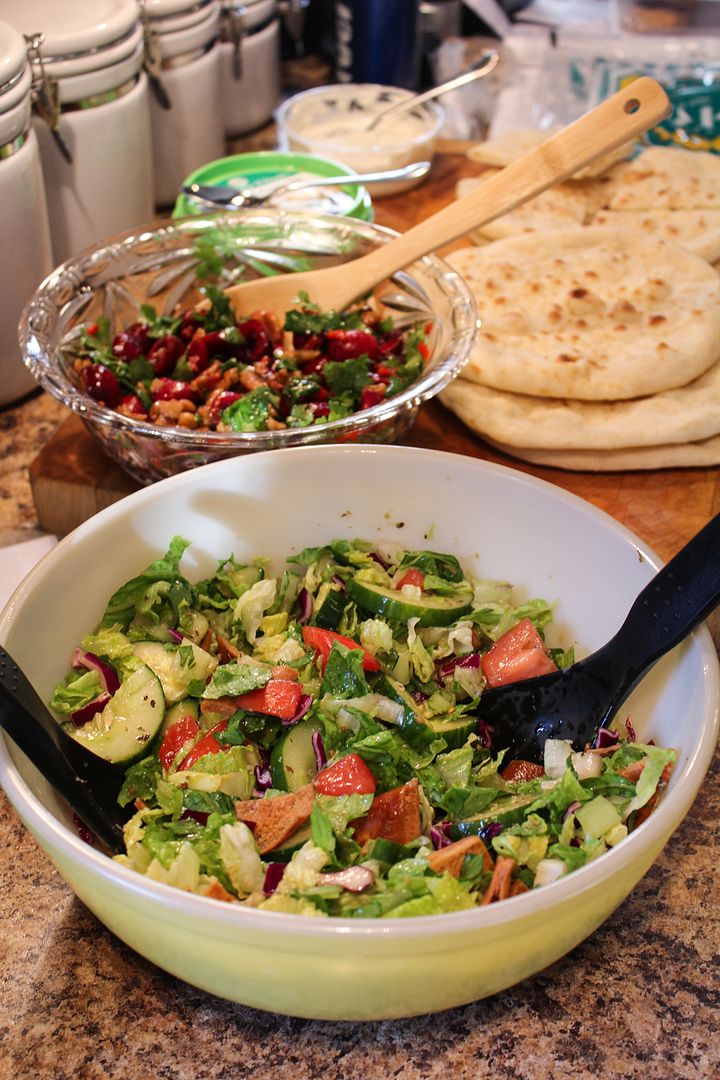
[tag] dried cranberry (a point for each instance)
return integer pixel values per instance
(223, 401)
(319, 409)
(132, 403)
(165, 353)
(370, 396)
(349, 344)
(102, 384)
(390, 344)
(198, 355)
(307, 341)
(316, 364)
(170, 390)
(141, 331)
(256, 338)
(126, 346)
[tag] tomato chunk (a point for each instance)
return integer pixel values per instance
(323, 640)
(518, 654)
(207, 745)
(348, 776)
(279, 697)
(185, 729)
(413, 576)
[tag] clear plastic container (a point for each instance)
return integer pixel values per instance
(184, 35)
(95, 147)
(24, 225)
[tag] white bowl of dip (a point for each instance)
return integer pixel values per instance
(332, 121)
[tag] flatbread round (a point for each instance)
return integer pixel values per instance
(590, 313)
(702, 454)
(686, 414)
(696, 230)
(562, 206)
(511, 145)
(667, 178)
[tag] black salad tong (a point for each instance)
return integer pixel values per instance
(89, 784)
(574, 703)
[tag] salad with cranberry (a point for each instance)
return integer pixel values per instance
(204, 369)
(308, 740)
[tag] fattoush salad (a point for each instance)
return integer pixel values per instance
(308, 741)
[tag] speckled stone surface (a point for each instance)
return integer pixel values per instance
(638, 1000)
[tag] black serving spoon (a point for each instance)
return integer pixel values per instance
(89, 784)
(575, 703)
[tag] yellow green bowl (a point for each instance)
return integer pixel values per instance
(503, 524)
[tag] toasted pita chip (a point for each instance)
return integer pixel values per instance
(395, 815)
(450, 859)
(277, 818)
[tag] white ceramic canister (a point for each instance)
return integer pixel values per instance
(250, 63)
(184, 36)
(91, 52)
(24, 227)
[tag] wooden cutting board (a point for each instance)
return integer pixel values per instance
(72, 478)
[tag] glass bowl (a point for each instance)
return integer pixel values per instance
(331, 121)
(161, 264)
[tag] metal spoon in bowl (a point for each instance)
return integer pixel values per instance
(89, 784)
(575, 703)
(482, 67)
(246, 198)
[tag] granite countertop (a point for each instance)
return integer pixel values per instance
(638, 999)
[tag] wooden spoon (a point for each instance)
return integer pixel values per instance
(609, 125)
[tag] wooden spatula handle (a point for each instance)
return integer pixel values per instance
(615, 121)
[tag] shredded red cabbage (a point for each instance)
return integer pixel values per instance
(273, 877)
(263, 778)
(108, 675)
(82, 830)
(605, 737)
(86, 712)
(175, 635)
(630, 730)
(305, 606)
(485, 733)
(439, 834)
(571, 810)
(304, 704)
(319, 749)
(448, 666)
(379, 559)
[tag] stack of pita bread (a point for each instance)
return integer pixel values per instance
(599, 306)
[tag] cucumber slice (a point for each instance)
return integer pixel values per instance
(392, 605)
(455, 731)
(176, 668)
(123, 731)
(505, 812)
(291, 845)
(330, 612)
(293, 763)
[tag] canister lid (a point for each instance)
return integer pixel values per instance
(13, 58)
(73, 26)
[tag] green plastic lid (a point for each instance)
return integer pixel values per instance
(260, 169)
